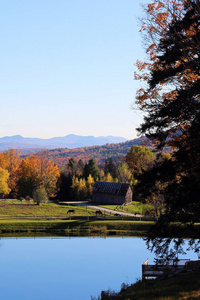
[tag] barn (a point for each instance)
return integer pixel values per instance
(112, 193)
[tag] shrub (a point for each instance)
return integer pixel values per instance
(40, 196)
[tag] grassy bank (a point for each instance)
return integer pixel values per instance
(183, 286)
(77, 226)
(82, 226)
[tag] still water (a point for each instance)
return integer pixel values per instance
(68, 268)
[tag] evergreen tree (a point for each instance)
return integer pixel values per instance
(171, 102)
(65, 183)
(71, 166)
(80, 168)
(92, 169)
(110, 168)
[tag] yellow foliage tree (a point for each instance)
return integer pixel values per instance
(74, 187)
(82, 189)
(4, 176)
(10, 160)
(108, 178)
(124, 174)
(101, 175)
(90, 184)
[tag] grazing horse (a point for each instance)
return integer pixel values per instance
(71, 211)
(98, 212)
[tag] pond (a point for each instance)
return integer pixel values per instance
(69, 268)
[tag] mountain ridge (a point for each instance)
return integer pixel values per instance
(70, 141)
(114, 151)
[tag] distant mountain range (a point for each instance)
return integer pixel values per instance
(69, 141)
(115, 151)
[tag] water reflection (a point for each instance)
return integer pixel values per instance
(69, 268)
(173, 248)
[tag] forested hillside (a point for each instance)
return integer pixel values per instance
(100, 153)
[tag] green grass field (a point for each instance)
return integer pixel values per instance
(134, 207)
(26, 218)
(10, 209)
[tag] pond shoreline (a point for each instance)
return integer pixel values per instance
(67, 219)
(80, 227)
(75, 227)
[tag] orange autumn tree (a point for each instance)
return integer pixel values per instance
(170, 100)
(10, 161)
(36, 173)
(49, 174)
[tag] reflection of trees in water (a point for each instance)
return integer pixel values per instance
(166, 249)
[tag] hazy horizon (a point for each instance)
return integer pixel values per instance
(32, 137)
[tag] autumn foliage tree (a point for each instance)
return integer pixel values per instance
(90, 184)
(124, 174)
(82, 189)
(170, 100)
(139, 159)
(4, 176)
(10, 161)
(35, 173)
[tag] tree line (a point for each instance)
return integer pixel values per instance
(38, 177)
(32, 176)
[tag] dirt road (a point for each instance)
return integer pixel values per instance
(103, 209)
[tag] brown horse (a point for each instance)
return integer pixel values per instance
(98, 212)
(71, 211)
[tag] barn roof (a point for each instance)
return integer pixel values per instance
(112, 188)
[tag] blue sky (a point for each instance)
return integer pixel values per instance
(67, 66)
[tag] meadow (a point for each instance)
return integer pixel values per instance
(26, 218)
(17, 209)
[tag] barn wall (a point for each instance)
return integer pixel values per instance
(108, 199)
